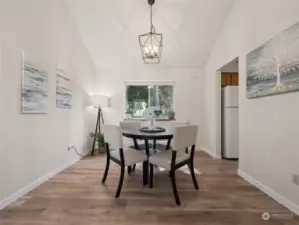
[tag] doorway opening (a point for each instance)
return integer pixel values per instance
(229, 110)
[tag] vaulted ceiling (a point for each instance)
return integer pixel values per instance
(110, 29)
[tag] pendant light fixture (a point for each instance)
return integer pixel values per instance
(151, 43)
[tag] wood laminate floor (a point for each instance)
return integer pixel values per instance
(76, 196)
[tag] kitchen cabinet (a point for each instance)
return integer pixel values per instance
(229, 79)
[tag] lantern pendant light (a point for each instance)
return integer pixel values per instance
(151, 43)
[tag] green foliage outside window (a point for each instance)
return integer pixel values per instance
(140, 97)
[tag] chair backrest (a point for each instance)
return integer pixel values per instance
(184, 136)
(172, 124)
(130, 124)
(179, 123)
(113, 136)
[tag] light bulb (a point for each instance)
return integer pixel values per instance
(146, 49)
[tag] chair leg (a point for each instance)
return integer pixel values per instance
(145, 172)
(134, 167)
(151, 175)
(191, 168)
(121, 180)
(106, 169)
(186, 150)
(129, 170)
(175, 191)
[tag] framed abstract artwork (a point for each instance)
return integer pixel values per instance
(273, 68)
(63, 89)
(34, 88)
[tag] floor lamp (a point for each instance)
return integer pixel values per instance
(99, 102)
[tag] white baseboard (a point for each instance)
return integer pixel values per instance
(277, 197)
(211, 153)
(23, 191)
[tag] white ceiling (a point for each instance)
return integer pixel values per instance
(110, 29)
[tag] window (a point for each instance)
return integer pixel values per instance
(140, 97)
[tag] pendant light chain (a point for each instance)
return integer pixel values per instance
(151, 43)
(151, 19)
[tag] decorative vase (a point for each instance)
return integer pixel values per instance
(152, 123)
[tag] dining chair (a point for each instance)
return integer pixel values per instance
(184, 137)
(116, 152)
(162, 144)
(131, 125)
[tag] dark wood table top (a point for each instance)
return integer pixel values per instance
(137, 134)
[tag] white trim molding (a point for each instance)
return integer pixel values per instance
(23, 191)
(277, 197)
(211, 153)
(150, 82)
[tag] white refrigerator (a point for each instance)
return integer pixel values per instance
(230, 122)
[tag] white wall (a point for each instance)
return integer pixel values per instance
(187, 97)
(33, 145)
(269, 147)
(231, 67)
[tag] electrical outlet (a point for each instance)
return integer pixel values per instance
(296, 179)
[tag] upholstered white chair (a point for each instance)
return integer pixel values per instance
(184, 137)
(115, 151)
(129, 142)
(162, 144)
(129, 125)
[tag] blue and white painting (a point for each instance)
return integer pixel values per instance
(63, 90)
(34, 88)
(273, 68)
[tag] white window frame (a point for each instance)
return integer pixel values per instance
(147, 83)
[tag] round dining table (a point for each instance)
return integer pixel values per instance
(149, 148)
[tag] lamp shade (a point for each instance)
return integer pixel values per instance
(100, 100)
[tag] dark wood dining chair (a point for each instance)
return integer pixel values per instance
(115, 151)
(183, 137)
(132, 143)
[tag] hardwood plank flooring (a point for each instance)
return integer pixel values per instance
(76, 196)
